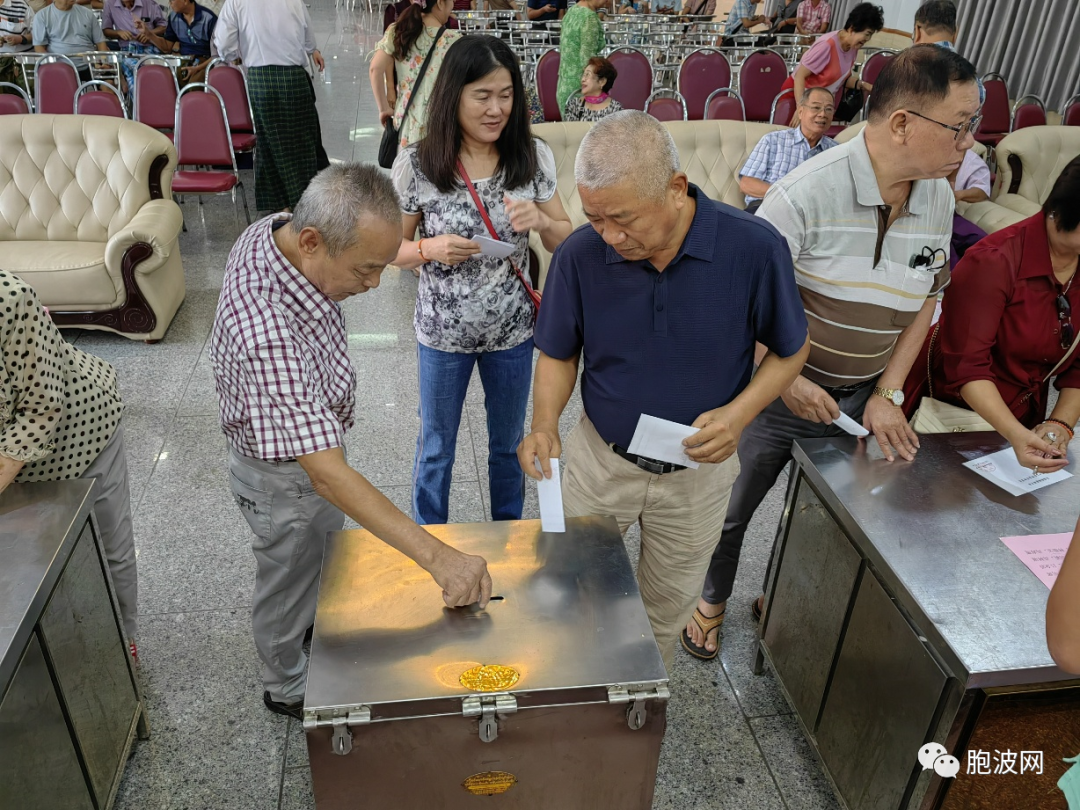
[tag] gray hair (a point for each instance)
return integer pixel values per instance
(338, 196)
(809, 91)
(627, 146)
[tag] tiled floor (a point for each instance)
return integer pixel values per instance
(731, 741)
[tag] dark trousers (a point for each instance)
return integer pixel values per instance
(764, 451)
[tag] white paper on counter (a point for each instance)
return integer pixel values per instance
(846, 423)
(1004, 470)
(549, 490)
(493, 247)
(661, 440)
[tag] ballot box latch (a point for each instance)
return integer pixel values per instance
(341, 737)
(489, 708)
(638, 698)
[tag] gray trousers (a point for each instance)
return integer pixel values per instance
(764, 451)
(112, 508)
(290, 523)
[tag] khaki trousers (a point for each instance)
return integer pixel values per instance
(681, 516)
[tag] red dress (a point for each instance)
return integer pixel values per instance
(999, 322)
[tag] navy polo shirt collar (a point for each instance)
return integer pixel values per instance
(699, 241)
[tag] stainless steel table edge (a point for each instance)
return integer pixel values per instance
(21, 637)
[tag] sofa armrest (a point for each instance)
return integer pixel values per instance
(989, 215)
(1021, 205)
(156, 224)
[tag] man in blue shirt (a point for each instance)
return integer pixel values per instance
(189, 32)
(935, 24)
(545, 10)
(780, 151)
(669, 298)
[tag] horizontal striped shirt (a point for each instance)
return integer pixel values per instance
(858, 287)
(16, 19)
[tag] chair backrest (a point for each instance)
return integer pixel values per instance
(547, 82)
(14, 101)
(99, 98)
(229, 81)
(761, 76)
(155, 94)
(1028, 111)
(995, 109)
(635, 82)
(700, 73)
(56, 80)
(666, 105)
(202, 128)
(783, 108)
(724, 105)
(1070, 113)
(1030, 160)
(872, 67)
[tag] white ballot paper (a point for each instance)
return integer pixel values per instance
(1004, 470)
(846, 423)
(552, 517)
(493, 247)
(662, 440)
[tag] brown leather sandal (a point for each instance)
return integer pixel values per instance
(706, 625)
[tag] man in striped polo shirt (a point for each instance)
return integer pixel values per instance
(869, 224)
(16, 35)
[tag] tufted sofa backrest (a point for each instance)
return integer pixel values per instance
(78, 178)
(1030, 160)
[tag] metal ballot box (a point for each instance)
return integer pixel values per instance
(555, 695)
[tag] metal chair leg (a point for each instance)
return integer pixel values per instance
(243, 194)
(236, 210)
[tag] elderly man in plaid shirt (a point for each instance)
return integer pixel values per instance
(286, 398)
(779, 152)
(814, 16)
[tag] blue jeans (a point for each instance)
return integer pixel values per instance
(444, 378)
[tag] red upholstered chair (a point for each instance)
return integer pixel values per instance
(996, 118)
(700, 73)
(724, 105)
(201, 134)
(99, 98)
(760, 78)
(229, 81)
(666, 105)
(870, 70)
(635, 83)
(783, 108)
(55, 81)
(155, 94)
(1070, 113)
(1028, 111)
(547, 82)
(15, 101)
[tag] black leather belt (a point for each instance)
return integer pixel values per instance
(647, 464)
(845, 390)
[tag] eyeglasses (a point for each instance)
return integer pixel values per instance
(961, 131)
(817, 108)
(1064, 312)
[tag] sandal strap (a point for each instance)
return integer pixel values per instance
(706, 624)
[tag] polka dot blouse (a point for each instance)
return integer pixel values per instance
(59, 406)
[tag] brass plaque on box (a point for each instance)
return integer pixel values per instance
(490, 783)
(489, 678)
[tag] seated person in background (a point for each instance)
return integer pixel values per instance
(699, 8)
(545, 10)
(814, 17)
(16, 35)
(782, 150)
(98, 4)
(786, 19)
(971, 184)
(741, 19)
(1007, 327)
(189, 32)
(594, 102)
(118, 19)
(1063, 610)
(67, 28)
(635, 7)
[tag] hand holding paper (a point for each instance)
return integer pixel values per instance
(493, 247)
(549, 490)
(661, 440)
(849, 425)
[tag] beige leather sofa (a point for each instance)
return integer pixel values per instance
(710, 152)
(87, 219)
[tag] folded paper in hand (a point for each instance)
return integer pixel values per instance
(493, 247)
(846, 423)
(1004, 470)
(661, 440)
(549, 490)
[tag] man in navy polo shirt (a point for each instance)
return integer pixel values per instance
(669, 297)
(189, 32)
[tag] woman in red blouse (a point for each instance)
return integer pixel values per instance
(1007, 320)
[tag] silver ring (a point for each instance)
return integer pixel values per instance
(1036, 469)
(1051, 436)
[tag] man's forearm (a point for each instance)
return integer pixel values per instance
(553, 384)
(753, 187)
(773, 376)
(908, 348)
(971, 195)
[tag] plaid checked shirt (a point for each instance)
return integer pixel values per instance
(285, 384)
(811, 18)
(778, 153)
(742, 9)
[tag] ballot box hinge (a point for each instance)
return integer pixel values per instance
(489, 708)
(638, 698)
(342, 725)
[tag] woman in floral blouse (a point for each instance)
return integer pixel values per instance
(472, 308)
(581, 38)
(403, 49)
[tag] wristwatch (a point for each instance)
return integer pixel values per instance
(894, 395)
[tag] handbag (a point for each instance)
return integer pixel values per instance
(534, 295)
(388, 146)
(935, 416)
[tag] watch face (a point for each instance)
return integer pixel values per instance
(898, 398)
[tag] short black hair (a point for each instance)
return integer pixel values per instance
(605, 72)
(469, 60)
(916, 77)
(937, 15)
(865, 17)
(1064, 200)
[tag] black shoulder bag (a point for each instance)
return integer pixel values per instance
(388, 148)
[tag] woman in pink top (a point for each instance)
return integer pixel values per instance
(829, 61)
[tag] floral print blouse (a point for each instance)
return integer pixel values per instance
(577, 111)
